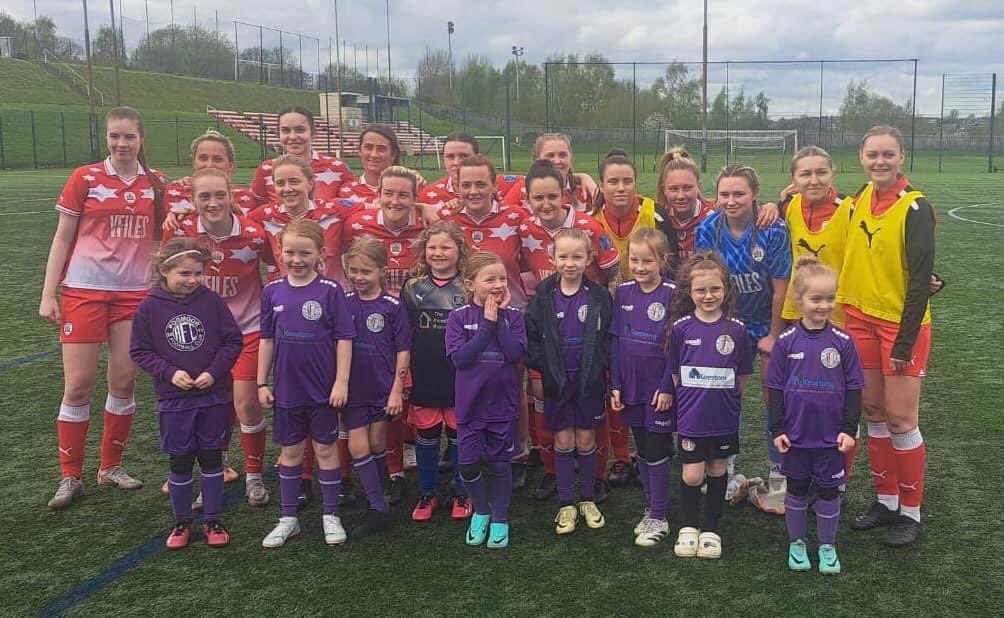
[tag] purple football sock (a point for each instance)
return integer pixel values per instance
(478, 493)
(795, 516)
(331, 483)
(380, 459)
(501, 490)
(564, 472)
(212, 493)
(587, 474)
(369, 476)
(179, 489)
(658, 488)
(289, 489)
(827, 519)
(643, 476)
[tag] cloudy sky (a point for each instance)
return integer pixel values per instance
(947, 36)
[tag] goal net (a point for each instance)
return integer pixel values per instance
(784, 141)
(492, 146)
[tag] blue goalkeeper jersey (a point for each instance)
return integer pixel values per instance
(754, 259)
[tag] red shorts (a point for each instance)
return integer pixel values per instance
(86, 314)
(874, 339)
(246, 367)
(533, 374)
(426, 418)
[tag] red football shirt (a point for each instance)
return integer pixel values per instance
(178, 199)
(331, 217)
(537, 239)
(330, 173)
(400, 244)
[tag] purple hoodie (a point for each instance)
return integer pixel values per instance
(196, 333)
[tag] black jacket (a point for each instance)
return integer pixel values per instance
(543, 351)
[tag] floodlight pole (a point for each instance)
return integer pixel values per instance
(704, 95)
(517, 52)
(92, 119)
(449, 47)
(115, 54)
(389, 74)
(338, 86)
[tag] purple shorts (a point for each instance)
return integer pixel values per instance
(186, 431)
(645, 416)
(356, 417)
(292, 425)
(570, 411)
(825, 466)
(495, 441)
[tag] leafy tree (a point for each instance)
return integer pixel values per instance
(103, 48)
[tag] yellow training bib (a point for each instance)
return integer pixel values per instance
(646, 218)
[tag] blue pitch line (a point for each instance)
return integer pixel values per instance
(24, 360)
(130, 561)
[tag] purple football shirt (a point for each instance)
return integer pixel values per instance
(305, 323)
(639, 330)
(815, 370)
(570, 311)
(708, 360)
(488, 390)
(382, 331)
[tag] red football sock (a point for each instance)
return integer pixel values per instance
(544, 437)
(602, 448)
(344, 458)
(395, 445)
(883, 462)
(619, 437)
(71, 434)
(911, 456)
(253, 444)
(118, 421)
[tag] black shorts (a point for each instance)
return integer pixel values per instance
(698, 450)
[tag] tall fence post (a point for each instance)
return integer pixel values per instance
(819, 135)
(62, 136)
(993, 112)
(634, 110)
(34, 146)
(508, 128)
(913, 119)
(261, 136)
(547, 98)
(941, 124)
(177, 140)
(3, 157)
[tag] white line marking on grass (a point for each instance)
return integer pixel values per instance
(951, 213)
(26, 212)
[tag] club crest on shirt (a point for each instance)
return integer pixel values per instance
(311, 310)
(757, 253)
(688, 445)
(581, 313)
(725, 344)
(830, 358)
(218, 257)
(129, 197)
(656, 311)
(375, 322)
(395, 248)
(67, 329)
(477, 236)
(682, 235)
(185, 333)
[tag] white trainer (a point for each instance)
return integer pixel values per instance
(641, 522)
(653, 533)
(334, 533)
(69, 489)
(118, 477)
(287, 528)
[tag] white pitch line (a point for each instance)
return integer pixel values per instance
(951, 213)
(26, 212)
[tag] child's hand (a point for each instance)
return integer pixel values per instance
(767, 215)
(339, 394)
(205, 380)
(395, 403)
(766, 345)
(170, 222)
(615, 401)
(506, 298)
(844, 442)
(491, 308)
(182, 380)
(662, 401)
(782, 443)
(265, 396)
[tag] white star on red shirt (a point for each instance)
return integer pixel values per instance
(533, 243)
(244, 254)
(101, 193)
(328, 177)
(503, 231)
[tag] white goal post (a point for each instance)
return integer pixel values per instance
(785, 140)
(500, 163)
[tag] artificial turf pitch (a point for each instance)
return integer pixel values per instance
(104, 555)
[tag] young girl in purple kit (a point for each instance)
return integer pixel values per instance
(306, 343)
(637, 364)
(710, 361)
(568, 325)
(186, 338)
(814, 384)
(485, 340)
(380, 357)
